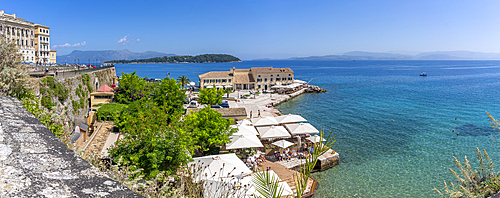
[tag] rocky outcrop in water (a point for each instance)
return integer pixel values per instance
(314, 89)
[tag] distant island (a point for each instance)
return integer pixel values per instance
(107, 55)
(439, 55)
(203, 58)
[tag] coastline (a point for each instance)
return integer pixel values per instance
(265, 102)
(173, 62)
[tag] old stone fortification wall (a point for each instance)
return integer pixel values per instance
(34, 163)
(75, 107)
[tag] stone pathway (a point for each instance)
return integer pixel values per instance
(35, 163)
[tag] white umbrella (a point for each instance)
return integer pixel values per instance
(290, 118)
(301, 128)
(245, 122)
(273, 132)
(209, 86)
(229, 86)
(244, 141)
(264, 121)
(316, 139)
(300, 81)
(218, 166)
(245, 130)
(282, 143)
(219, 86)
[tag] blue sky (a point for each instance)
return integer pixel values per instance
(266, 29)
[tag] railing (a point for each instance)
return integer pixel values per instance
(63, 72)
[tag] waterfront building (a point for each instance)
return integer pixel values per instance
(103, 95)
(21, 32)
(260, 78)
(42, 44)
(53, 56)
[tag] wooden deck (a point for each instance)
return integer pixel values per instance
(288, 176)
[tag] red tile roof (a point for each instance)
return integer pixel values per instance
(105, 88)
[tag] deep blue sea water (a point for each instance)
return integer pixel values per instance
(406, 157)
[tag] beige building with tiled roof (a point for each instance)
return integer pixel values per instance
(259, 78)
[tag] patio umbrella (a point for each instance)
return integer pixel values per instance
(300, 81)
(301, 128)
(273, 132)
(264, 121)
(282, 143)
(316, 139)
(245, 130)
(219, 86)
(218, 166)
(290, 118)
(244, 141)
(209, 86)
(245, 122)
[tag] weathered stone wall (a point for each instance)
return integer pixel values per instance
(327, 161)
(35, 163)
(67, 108)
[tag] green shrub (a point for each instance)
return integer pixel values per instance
(110, 111)
(47, 102)
(86, 81)
(54, 88)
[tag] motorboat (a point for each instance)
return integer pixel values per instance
(423, 74)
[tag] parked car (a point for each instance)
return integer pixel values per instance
(187, 101)
(224, 104)
(216, 106)
(193, 104)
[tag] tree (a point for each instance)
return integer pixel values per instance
(211, 96)
(228, 91)
(132, 88)
(13, 75)
(208, 129)
(183, 80)
(168, 96)
(153, 142)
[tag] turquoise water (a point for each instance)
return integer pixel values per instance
(406, 157)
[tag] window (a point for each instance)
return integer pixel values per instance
(218, 80)
(283, 78)
(265, 79)
(289, 78)
(289, 74)
(102, 97)
(277, 75)
(277, 79)
(212, 81)
(259, 76)
(271, 79)
(258, 86)
(271, 75)
(229, 80)
(223, 80)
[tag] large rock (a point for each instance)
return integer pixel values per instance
(35, 163)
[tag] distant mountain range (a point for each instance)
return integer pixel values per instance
(107, 55)
(438, 55)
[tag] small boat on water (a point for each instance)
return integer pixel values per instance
(423, 74)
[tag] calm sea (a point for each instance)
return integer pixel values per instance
(406, 157)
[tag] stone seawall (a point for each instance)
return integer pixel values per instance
(79, 93)
(35, 163)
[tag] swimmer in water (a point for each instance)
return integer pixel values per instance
(392, 120)
(457, 133)
(453, 130)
